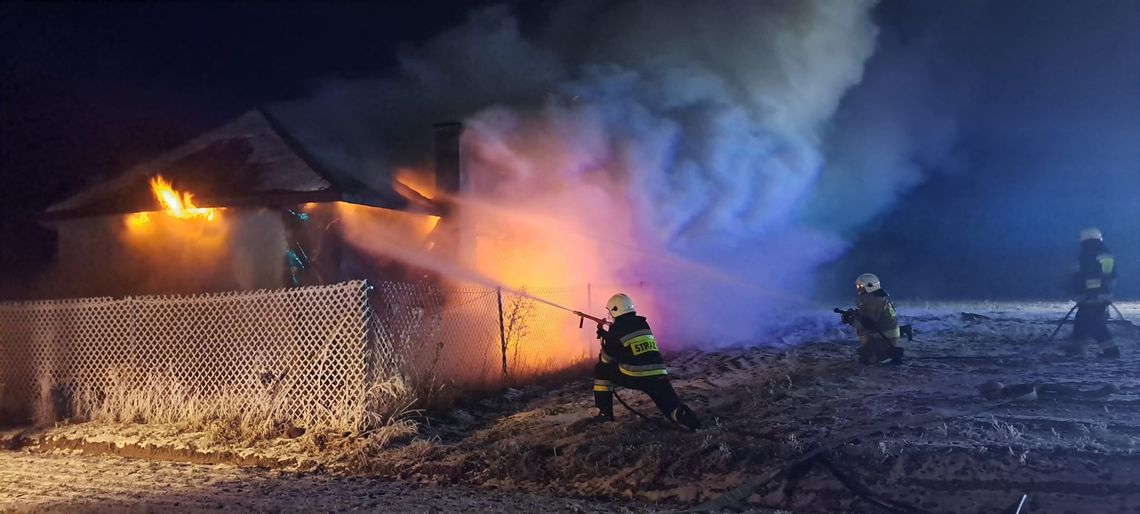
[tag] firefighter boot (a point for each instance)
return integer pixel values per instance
(602, 417)
(686, 417)
(896, 355)
(604, 401)
(1111, 352)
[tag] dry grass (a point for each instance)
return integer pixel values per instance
(241, 413)
(359, 454)
(45, 407)
(257, 408)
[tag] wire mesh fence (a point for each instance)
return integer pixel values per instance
(460, 339)
(321, 349)
(308, 343)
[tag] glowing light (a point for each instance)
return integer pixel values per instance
(542, 258)
(178, 205)
(405, 227)
(411, 183)
(138, 219)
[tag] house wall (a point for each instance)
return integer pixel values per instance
(241, 249)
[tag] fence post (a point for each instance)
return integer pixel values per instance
(502, 334)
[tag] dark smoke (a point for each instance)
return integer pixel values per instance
(1043, 99)
(756, 140)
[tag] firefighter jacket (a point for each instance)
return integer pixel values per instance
(1097, 273)
(875, 317)
(630, 344)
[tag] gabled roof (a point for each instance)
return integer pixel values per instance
(250, 161)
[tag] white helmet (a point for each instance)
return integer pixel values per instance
(1090, 234)
(868, 282)
(619, 304)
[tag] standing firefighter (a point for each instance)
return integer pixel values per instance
(874, 320)
(1093, 286)
(630, 358)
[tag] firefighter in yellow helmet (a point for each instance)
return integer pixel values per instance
(630, 358)
(1093, 285)
(874, 320)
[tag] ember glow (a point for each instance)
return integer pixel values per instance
(387, 227)
(178, 205)
(490, 253)
(413, 183)
(138, 220)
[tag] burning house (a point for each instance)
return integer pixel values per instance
(241, 207)
(189, 270)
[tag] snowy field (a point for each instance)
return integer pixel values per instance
(793, 423)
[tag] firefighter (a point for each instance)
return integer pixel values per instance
(630, 358)
(1093, 285)
(874, 320)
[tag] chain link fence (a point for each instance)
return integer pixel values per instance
(307, 344)
(462, 339)
(323, 349)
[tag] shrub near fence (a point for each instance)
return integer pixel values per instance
(458, 340)
(333, 356)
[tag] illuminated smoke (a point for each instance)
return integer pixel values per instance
(670, 143)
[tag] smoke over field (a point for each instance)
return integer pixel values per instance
(669, 143)
(725, 152)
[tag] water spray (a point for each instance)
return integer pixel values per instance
(543, 224)
(580, 314)
(424, 259)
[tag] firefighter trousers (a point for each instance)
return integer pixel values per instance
(1091, 322)
(659, 389)
(874, 349)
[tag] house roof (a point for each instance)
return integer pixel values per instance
(250, 161)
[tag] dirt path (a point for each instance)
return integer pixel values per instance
(61, 483)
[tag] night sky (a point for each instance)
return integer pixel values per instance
(1045, 96)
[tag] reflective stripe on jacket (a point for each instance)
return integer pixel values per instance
(1097, 274)
(631, 344)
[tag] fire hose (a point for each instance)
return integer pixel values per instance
(643, 416)
(742, 492)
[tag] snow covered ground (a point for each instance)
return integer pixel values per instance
(835, 436)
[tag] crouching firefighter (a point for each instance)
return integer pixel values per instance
(1093, 284)
(874, 320)
(630, 358)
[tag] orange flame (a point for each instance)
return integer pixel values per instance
(138, 219)
(411, 181)
(175, 204)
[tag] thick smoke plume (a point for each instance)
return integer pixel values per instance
(668, 143)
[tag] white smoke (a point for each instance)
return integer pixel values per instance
(691, 132)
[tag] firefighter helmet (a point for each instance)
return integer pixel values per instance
(868, 282)
(619, 304)
(1090, 234)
